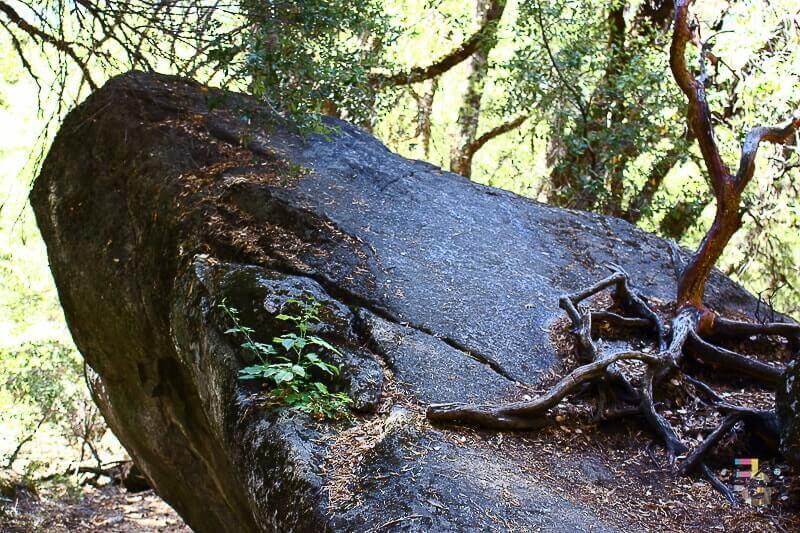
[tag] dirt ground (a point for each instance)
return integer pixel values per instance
(108, 508)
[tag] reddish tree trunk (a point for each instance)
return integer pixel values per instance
(692, 283)
(726, 187)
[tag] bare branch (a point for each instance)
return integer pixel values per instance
(694, 89)
(736, 329)
(737, 363)
(45, 37)
(470, 110)
(478, 143)
(727, 189)
(579, 103)
(460, 54)
(523, 415)
(774, 134)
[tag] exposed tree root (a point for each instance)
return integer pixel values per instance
(687, 338)
(732, 329)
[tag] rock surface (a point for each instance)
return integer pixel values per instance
(788, 400)
(159, 198)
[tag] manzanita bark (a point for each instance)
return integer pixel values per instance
(727, 188)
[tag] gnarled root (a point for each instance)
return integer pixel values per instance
(602, 370)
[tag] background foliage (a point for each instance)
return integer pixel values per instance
(48, 422)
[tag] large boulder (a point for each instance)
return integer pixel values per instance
(160, 198)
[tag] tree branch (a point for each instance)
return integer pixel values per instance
(470, 111)
(469, 47)
(40, 35)
(694, 89)
(570, 87)
(658, 172)
(773, 134)
(478, 143)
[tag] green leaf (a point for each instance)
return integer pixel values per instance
(286, 341)
(323, 343)
(325, 367)
(290, 381)
(283, 376)
(270, 371)
(295, 399)
(343, 397)
(264, 348)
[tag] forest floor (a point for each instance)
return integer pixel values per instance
(106, 508)
(613, 468)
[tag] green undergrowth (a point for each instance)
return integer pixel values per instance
(293, 365)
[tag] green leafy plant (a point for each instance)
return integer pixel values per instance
(292, 364)
(44, 405)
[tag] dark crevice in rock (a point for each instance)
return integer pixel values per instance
(363, 328)
(355, 301)
(302, 220)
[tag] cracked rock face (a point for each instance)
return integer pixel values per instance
(156, 202)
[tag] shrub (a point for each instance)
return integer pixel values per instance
(293, 364)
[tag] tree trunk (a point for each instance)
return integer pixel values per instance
(470, 111)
